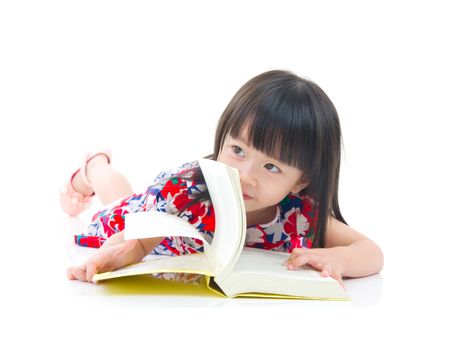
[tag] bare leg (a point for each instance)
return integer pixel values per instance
(108, 184)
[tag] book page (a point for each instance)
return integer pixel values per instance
(224, 187)
(261, 271)
(191, 263)
(154, 223)
(159, 224)
(241, 220)
(270, 262)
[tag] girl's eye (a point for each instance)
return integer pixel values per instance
(271, 167)
(237, 149)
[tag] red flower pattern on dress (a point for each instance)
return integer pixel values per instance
(290, 224)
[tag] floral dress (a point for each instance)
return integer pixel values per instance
(293, 226)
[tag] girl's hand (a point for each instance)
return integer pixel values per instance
(329, 261)
(106, 259)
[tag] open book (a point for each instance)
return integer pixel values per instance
(230, 268)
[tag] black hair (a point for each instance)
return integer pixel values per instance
(291, 119)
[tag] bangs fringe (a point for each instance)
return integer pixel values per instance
(290, 119)
(278, 128)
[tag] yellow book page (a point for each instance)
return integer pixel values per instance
(149, 285)
(278, 296)
(216, 289)
(192, 263)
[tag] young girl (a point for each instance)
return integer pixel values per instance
(282, 133)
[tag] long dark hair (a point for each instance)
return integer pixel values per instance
(291, 119)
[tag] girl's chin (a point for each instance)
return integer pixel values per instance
(249, 209)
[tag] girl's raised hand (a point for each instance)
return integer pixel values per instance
(107, 259)
(326, 260)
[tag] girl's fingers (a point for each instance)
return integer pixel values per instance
(78, 272)
(90, 271)
(299, 252)
(328, 272)
(312, 260)
(341, 282)
(70, 274)
(338, 278)
(106, 261)
(83, 273)
(296, 252)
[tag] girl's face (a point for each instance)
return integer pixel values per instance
(265, 181)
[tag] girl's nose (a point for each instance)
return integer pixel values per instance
(248, 175)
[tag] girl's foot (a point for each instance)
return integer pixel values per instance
(76, 196)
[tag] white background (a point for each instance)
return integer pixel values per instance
(150, 79)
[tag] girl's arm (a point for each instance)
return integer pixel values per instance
(148, 244)
(347, 253)
(113, 254)
(362, 257)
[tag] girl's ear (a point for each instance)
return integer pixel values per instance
(299, 185)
